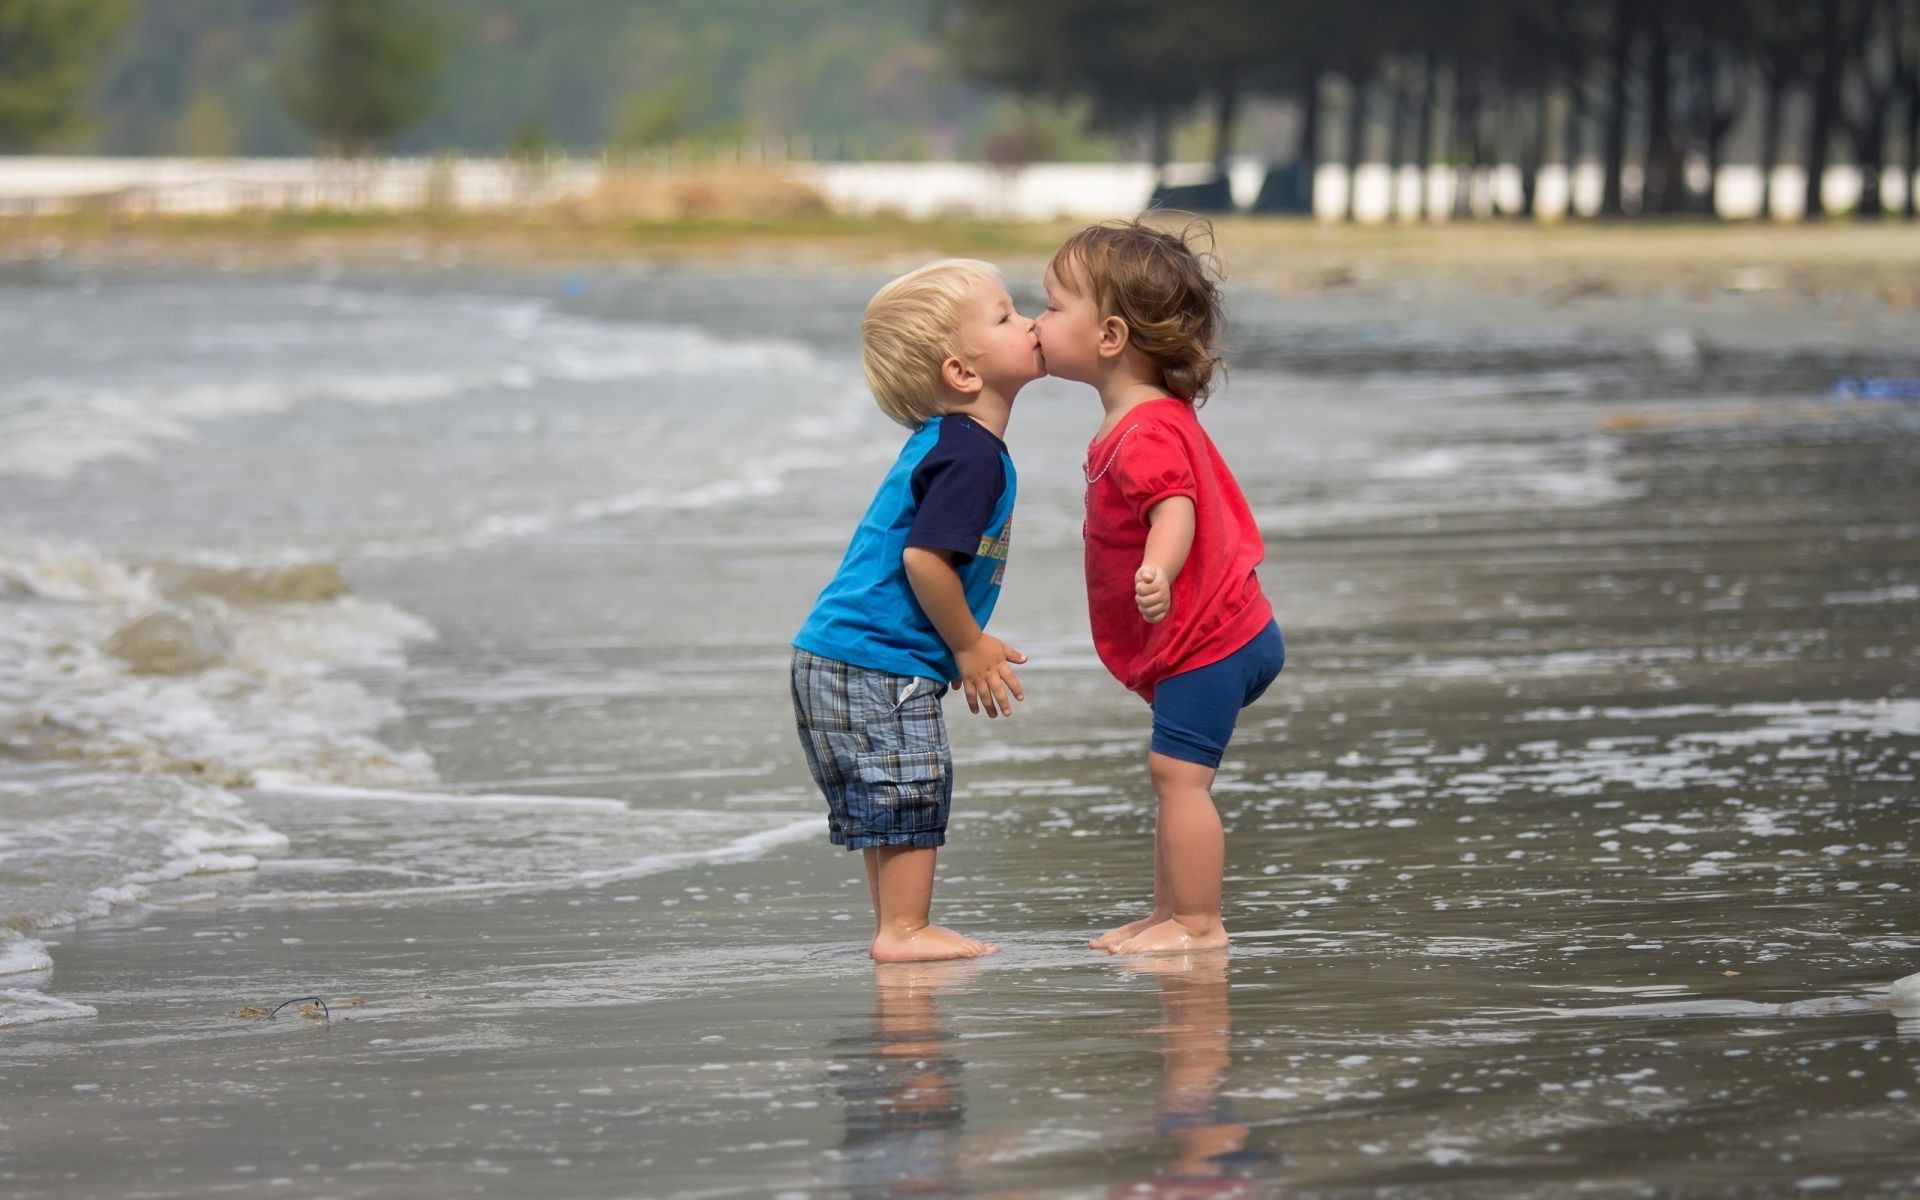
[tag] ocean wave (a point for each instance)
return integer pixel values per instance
(53, 426)
(204, 673)
(21, 1007)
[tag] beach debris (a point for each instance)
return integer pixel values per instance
(311, 1007)
(1747, 280)
(294, 583)
(1586, 287)
(1677, 348)
(164, 643)
(1850, 387)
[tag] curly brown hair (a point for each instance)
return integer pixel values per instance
(1162, 284)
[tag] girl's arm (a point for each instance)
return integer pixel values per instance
(1169, 541)
(986, 662)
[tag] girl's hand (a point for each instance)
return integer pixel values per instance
(1153, 592)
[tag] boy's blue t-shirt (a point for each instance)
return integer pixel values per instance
(952, 489)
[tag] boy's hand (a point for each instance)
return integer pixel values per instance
(986, 672)
(1153, 592)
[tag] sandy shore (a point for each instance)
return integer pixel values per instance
(1832, 263)
(1575, 850)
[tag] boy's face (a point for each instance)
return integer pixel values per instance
(997, 342)
(1069, 330)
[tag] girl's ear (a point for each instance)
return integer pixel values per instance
(1114, 337)
(959, 377)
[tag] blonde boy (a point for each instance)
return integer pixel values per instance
(903, 618)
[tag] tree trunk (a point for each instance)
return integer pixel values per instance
(1466, 140)
(1532, 151)
(1776, 90)
(1573, 135)
(1913, 144)
(1826, 97)
(1716, 118)
(1400, 151)
(1309, 151)
(1666, 190)
(1310, 134)
(1620, 59)
(1160, 143)
(1356, 139)
(1423, 152)
(1226, 115)
(1869, 131)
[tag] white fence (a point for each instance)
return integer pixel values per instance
(1042, 191)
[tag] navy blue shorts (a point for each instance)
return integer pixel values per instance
(877, 746)
(1194, 712)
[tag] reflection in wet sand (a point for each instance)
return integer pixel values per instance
(1211, 1152)
(901, 1087)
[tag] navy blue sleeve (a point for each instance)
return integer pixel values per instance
(956, 487)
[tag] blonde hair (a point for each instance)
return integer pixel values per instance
(1162, 287)
(911, 327)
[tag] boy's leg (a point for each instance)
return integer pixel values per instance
(871, 856)
(904, 897)
(1194, 849)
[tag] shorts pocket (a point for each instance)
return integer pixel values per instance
(903, 791)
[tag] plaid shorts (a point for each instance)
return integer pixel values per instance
(877, 746)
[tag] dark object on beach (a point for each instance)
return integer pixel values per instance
(1287, 188)
(307, 1008)
(311, 1007)
(1213, 196)
(1850, 387)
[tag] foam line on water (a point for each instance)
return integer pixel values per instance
(741, 849)
(23, 956)
(270, 784)
(22, 1007)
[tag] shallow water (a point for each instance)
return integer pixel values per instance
(1575, 848)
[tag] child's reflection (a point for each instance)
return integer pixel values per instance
(902, 1088)
(1211, 1154)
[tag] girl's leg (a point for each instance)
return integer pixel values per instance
(1161, 908)
(1194, 713)
(903, 892)
(1193, 847)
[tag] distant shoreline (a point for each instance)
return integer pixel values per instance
(1869, 268)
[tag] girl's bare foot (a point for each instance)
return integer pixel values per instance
(926, 944)
(1171, 937)
(1113, 937)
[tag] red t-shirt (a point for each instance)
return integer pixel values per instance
(1159, 450)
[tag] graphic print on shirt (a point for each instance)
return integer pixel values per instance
(996, 548)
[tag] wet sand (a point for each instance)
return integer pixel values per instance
(1575, 849)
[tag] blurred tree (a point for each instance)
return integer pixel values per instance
(357, 72)
(1781, 38)
(1907, 41)
(1829, 68)
(1135, 62)
(1870, 95)
(48, 49)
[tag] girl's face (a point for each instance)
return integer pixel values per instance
(1069, 331)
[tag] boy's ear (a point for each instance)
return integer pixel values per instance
(959, 377)
(1115, 336)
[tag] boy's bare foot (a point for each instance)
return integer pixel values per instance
(926, 944)
(1171, 937)
(1113, 937)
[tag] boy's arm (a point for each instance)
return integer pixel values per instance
(1169, 541)
(986, 663)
